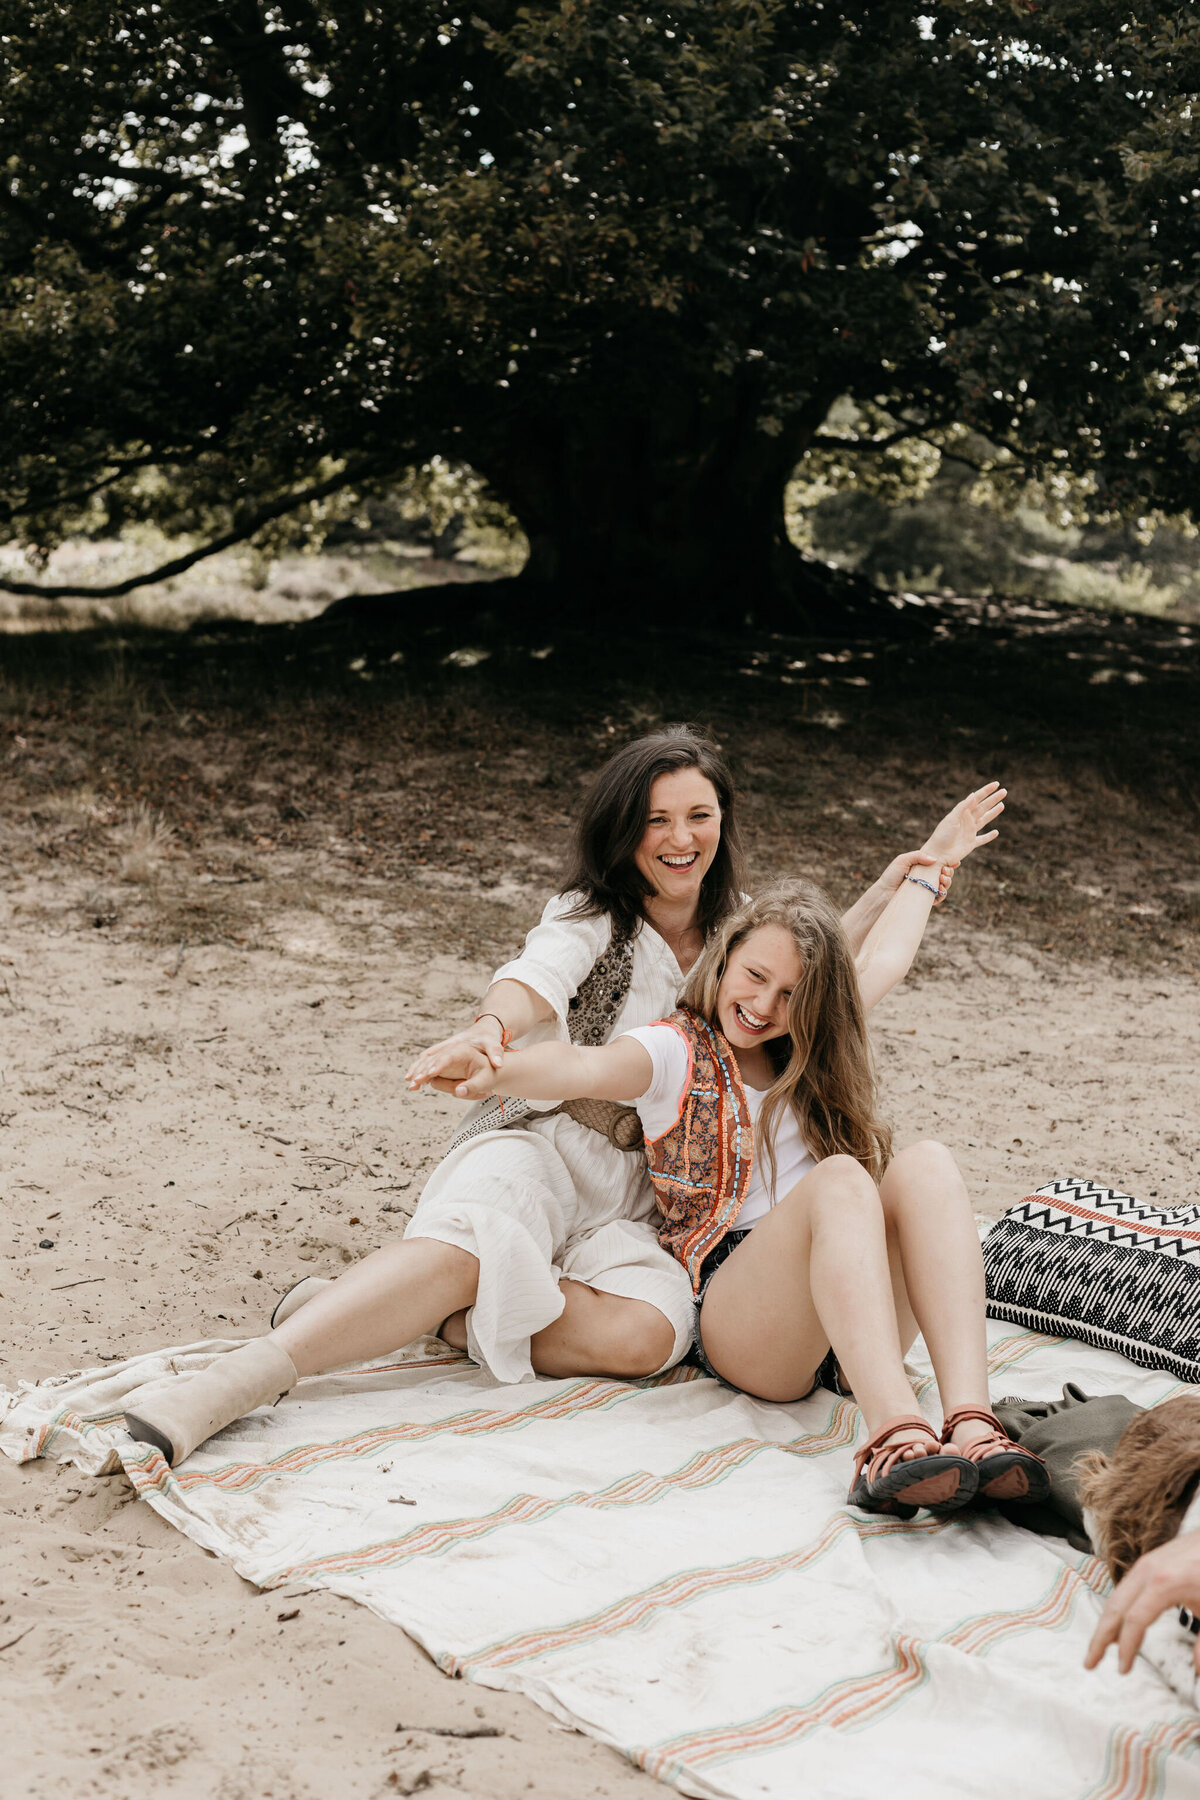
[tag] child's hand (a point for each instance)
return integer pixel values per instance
(455, 1067)
(1159, 1581)
(963, 828)
(465, 1054)
(917, 862)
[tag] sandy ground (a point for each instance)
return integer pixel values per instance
(185, 1131)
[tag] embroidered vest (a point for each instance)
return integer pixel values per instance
(701, 1167)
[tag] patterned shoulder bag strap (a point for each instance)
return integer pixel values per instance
(590, 1019)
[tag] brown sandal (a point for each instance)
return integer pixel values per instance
(885, 1481)
(1006, 1470)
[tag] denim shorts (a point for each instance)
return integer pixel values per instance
(826, 1376)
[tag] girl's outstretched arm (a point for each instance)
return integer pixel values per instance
(552, 1073)
(890, 946)
(868, 909)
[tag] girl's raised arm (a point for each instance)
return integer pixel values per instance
(553, 1073)
(888, 950)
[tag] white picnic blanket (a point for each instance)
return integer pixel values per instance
(671, 1567)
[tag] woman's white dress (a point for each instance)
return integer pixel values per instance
(552, 1198)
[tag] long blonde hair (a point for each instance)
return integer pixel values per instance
(824, 1069)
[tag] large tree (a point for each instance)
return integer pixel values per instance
(620, 259)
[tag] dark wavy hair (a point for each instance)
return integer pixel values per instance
(601, 869)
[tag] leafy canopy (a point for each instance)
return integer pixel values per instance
(251, 253)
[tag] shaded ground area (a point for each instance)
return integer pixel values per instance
(398, 756)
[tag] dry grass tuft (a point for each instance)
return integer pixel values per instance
(148, 839)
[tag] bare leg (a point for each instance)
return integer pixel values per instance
(391, 1297)
(595, 1334)
(814, 1271)
(938, 1274)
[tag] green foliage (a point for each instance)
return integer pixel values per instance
(961, 543)
(621, 262)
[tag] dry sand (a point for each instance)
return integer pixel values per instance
(183, 1133)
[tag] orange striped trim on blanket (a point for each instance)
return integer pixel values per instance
(681, 1589)
(858, 1700)
(244, 1477)
(706, 1469)
(1137, 1762)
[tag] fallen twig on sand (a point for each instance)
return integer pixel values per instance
(85, 1282)
(455, 1731)
(16, 1640)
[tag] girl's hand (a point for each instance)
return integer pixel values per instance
(1159, 1581)
(463, 1057)
(916, 861)
(963, 828)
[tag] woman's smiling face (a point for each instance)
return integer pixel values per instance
(683, 830)
(752, 1000)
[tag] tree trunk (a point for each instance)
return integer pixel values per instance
(668, 519)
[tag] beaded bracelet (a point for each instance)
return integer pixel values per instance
(505, 1033)
(927, 885)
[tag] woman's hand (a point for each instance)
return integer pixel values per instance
(462, 1070)
(964, 827)
(1160, 1580)
(463, 1057)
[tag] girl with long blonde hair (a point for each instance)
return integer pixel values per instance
(815, 1254)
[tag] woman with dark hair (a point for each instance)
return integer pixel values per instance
(534, 1243)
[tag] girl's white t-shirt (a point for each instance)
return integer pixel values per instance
(661, 1104)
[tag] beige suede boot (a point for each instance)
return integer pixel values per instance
(298, 1295)
(178, 1412)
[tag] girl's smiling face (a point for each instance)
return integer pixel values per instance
(683, 830)
(752, 1000)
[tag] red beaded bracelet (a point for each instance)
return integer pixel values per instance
(505, 1033)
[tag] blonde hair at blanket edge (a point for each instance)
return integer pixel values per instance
(824, 1066)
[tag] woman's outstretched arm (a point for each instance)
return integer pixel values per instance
(867, 911)
(508, 1010)
(870, 907)
(890, 946)
(550, 1073)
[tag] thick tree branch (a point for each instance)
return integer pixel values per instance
(264, 516)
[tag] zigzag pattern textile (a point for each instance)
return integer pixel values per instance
(1076, 1259)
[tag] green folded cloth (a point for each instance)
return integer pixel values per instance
(1060, 1432)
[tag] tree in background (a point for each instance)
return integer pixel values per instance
(620, 260)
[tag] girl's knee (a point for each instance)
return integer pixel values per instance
(927, 1151)
(928, 1160)
(844, 1182)
(838, 1192)
(922, 1174)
